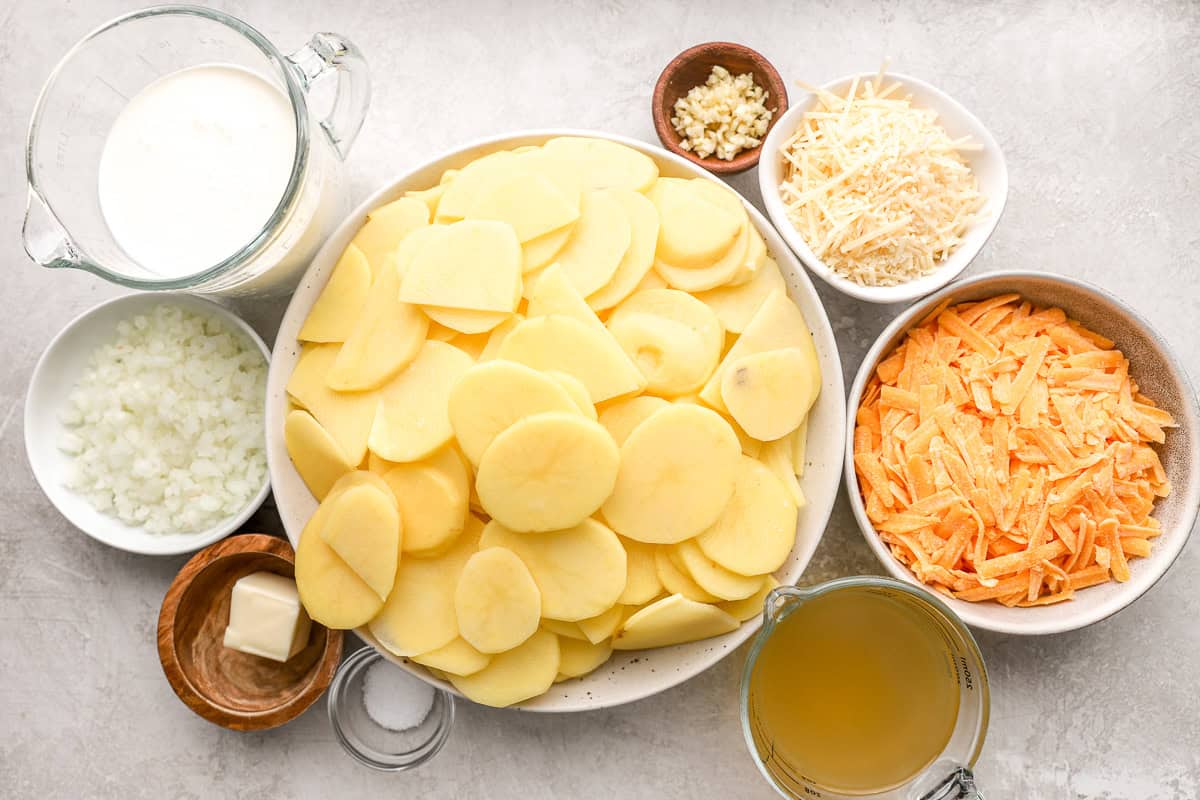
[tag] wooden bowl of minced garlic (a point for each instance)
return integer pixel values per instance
(715, 103)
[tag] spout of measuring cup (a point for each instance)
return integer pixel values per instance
(46, 240)
(779, 601)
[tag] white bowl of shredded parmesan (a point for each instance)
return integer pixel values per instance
(884, 186)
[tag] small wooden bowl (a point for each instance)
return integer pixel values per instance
(232, 689)
(692, 68)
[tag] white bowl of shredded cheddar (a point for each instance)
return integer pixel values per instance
(924, 189)
(1097, 487)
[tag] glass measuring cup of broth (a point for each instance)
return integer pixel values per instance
(176, 148)
(864, 688)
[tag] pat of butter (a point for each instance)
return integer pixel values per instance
(266, 618)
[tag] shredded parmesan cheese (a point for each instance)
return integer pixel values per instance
(723, 116)
(1004, 453)
(876, 187)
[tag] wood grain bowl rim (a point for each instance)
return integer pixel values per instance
(715, 51)
(247, 543)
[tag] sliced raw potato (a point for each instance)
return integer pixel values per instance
(641, 583)
(440, 333)
(518, 674)
(314, 452)
(737, 267)
(677, 473)
(672, 620)
(756, 257)
(493, 395)
(419, 613)
(693, 231)
(471, 343)
(602, 626)
(711, 576)
(676, 580)
(539, 252)
(777, 457)
(496, 337)
(386, 226)
(530, 203)
(553, 293)
(752, 606)
(769, 393)
(384, 340)
(338, 307)
(652, 280)
(464, 187)
(799, 439)
(456, 658)
(547, 472)
(776, 324)
(447, 460)
(638, 259)
(579, 658)
(598, 242)
(735, 305)
(363, 528)
(347, 416)
(622, 416)
(569, 630)
(412, 421)
(757, 528)
(673, 338)
(580, 571)
(429, 197)
(578, 392)
(560, 343)
(497, 603)
(473, 264)
(465, 321)
(432, 504)
(601, 164)
(556, 168)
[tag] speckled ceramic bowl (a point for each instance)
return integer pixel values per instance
(1159, 376)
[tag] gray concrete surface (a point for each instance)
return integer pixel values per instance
(1095, 105)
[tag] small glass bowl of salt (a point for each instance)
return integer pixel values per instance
(385, 717)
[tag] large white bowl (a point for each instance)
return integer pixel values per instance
(55, 376)
(987, 164)
(633, 675)
(1158, 376)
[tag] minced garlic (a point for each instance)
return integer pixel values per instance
(723, 116)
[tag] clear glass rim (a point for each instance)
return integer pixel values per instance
(855, 581)
(286, 202)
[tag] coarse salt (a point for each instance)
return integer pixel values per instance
(395, 699)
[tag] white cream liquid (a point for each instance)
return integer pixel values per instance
(194, 167)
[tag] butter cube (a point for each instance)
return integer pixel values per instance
(266, 618)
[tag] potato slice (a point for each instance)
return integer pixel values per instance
(735, 305)
(539, 252)
(493, 395)
(497, 335)
(564, 344)
(711, 576)
(457, 658)
(471, 343)
(347, 416)
(641, 583)
(622, 416)
(674, 339)
(652, 280)
(799, 439)
(386, 226)
(332, 317)
(676, 580)
(412, 421)
(769, 393)
(578, 392)
(432, 504)
(598, 242)
(693, 231)
(440, 333)
(568, 630)
(604, 625)
(777, 324)
(638, 259)
(447, 460)
(519, 674)
(419, 613)
(580, 571)
(602, 164)
(314, 452)
(672, 620)
(430, 197)
(465, 321)
(384, 340)
(473, 264)
(776, 456)
(757, 528)
(752, 606)
(738, 266)
(530, 203)
(553, 293)
(497, 603)
(547, 472)
(464, 187)
(363, 528)
(677, 473)
(577, 658)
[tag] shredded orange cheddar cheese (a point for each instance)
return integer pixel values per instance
(1004, 453)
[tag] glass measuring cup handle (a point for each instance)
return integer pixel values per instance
(959, 785)
(328, 53)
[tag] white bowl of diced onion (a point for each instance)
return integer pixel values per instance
(986, 163)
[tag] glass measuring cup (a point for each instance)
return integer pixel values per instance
(64, 225)
(948, 775)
